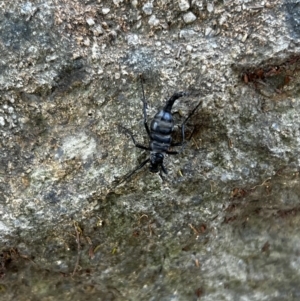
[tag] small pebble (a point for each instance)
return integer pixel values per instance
(86, 42)
(90, 21)
(275, 127)
(153, 21)
(184, 5)
(189, 18)
(134, 3)
(133, 39)
(244, 38)
(98, 30)
(105, 11)
(189, 48)
(2, 121)
(208, 30)
(210, 7)
(147, 8)
(222, 19)
(117, 2)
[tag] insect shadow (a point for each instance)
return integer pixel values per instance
(159, 133)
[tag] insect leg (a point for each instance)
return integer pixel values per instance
(132, 172)
(145, 110)
(164, 169)
(182, 143)
(133, 139)
(173, 152)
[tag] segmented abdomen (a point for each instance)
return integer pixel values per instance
(160, 131)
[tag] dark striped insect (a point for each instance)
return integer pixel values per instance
(159, 133)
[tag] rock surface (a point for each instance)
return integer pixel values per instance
(223, 224)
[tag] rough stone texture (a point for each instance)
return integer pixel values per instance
(223, 224)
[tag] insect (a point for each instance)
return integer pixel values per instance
(159, 133)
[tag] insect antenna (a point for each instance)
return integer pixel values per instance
(192, 113)
(142, 79)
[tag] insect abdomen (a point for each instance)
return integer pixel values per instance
(160, 131)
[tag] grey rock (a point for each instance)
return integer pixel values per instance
(222, 225)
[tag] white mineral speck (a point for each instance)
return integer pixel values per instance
(105, 11)
(187, 34)
(275, 127)
(244, 38)
(183, 5)
(147, 8)
(90, 21)
(222, 19)
(28, 8)
(86, 42)
(2, 121)
(189, 17)
(153, 21)
(210, 7)
(98, 30)
(133, 39)
(50, 58)
(207, 31)
(189, 48)
(96, 51)
(3, 227)
(79, 145)
(117, 2)
(32, 50)
(134, 3)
